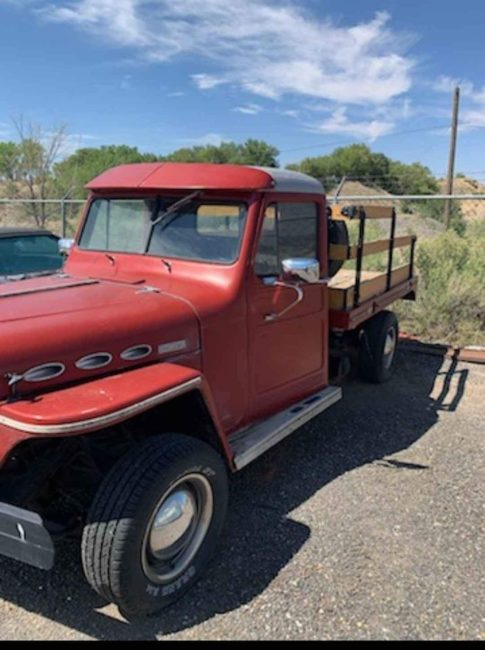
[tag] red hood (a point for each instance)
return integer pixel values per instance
(61, 320)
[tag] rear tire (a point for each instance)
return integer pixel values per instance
(154, 523)
(378, 344)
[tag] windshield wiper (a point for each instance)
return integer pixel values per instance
(175, 206)
(172, 209)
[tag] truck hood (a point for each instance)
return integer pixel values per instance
(74, 328)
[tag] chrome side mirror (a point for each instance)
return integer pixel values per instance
(303, 269)
(64, 245)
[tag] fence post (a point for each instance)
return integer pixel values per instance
(63, 217)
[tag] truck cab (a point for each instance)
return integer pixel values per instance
(192, 327)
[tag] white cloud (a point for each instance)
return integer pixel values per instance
(338, 122)
(472, 118)
(269, 49)
(209, 138)
(249, 109)
(207, 81)
(291, 112)
(446, 84)
(472, 112)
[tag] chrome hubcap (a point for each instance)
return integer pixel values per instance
(177, 528)
(389, 347)
(173, 519)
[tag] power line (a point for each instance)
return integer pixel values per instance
(368, 177)
(342, 142)
(337, 143)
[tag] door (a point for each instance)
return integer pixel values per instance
(288, 351)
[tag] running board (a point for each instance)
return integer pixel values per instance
(253, 441)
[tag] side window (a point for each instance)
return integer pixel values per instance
(289, 230)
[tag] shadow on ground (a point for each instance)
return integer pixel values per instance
(368, 425)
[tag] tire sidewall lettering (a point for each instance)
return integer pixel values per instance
(157, 591)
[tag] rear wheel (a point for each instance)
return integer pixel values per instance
(154, 523)
(378, 344)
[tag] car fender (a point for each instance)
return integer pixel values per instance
(102, 402)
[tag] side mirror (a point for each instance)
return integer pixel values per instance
(64, 245)
(303, 269)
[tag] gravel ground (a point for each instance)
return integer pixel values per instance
(368, 523)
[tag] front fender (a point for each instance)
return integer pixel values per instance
(104, 402)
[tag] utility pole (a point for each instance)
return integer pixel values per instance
(451, 159)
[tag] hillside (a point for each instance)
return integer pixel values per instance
(471, 210)
(407, 222)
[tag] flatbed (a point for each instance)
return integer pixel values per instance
(357, 294)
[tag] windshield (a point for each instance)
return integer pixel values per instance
(198, 230)
(29, 254)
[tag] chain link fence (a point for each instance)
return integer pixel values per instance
(61, 216)
(450, 304)
(422, 215)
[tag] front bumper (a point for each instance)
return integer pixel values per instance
(24, 537)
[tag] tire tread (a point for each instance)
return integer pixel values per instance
(108, 525)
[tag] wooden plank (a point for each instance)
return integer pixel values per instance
(372, 283)
(378, 211)
(345, 278)
(341, 252)
(373, 287)
(341, 211)
(383, 245)
(337, 299)
(401, 274)
(406, 240)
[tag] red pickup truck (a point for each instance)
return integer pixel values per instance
(199, 319)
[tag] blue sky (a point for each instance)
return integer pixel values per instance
(304, 76)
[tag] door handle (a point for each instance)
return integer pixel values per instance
(299, 298)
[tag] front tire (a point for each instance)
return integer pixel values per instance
(378, 344)
(154, 523)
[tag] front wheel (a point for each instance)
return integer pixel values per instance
(154, 523)
(378, 344)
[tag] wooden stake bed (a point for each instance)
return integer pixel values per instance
(356, 295)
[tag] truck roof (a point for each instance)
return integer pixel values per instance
(205, 176)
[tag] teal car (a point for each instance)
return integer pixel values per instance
(26, 252)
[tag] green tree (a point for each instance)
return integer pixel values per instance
(9, 161)
(356, 161)
(410, 179)
(251, 152)
(72, 174)
(257, 152)
(27, 166)
(226, 152)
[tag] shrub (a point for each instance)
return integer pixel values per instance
(434, 209)
(450, 306)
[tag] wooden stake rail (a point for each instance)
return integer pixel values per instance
(355, 211)
(373, 283)
(349, 288)
(340, 252)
